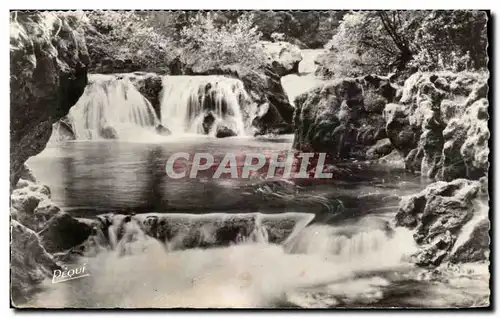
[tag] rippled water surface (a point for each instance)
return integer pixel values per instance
(102, 176)
(350, 255)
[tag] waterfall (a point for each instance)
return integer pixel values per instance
(200, 104)
(355, 245)
(111, 108)
(305, 80)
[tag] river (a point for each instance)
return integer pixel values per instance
(349, 255)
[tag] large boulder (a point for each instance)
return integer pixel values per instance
(440, 124)
(30, 263)
(382, 148)
(38, 228)
(48, 67)
(25, 200)
(476, 246)
(63, 232)
(282, 57)
(344, 117)
(265, 88)
(443, 217)
(31, 206)
(224, 131)
(323, 117)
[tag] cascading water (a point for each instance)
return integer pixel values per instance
(200, 104)
(252, 272)
(296, 84)
(111, 108)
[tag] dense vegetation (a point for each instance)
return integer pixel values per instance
(155, 40)
(357, 43)
(407, 41)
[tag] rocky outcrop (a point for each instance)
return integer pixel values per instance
(63, 130)
(447, 218)
(381, 148)
(48, 75)
(476, 247)
(402, 136)
(273, 112)
(182, 231)
(63, 232)
(282, 57)
(48, 63)
(473, 127)
(150, 86)
(31, 206)
(441, 125)
(38, 228)
(344, 117)
(30, 264)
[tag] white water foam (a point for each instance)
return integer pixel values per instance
(112, 105)
(480, 213)
(186, 100)
(247, 275)
(296, 84)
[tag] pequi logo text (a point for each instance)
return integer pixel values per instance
(66, 274)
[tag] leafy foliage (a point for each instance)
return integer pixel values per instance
(132, 41)
(309, 29)
(452, 41)
(207, 44)
(126, 37)
(406, 41)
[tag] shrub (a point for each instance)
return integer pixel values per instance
(126, 36)
(207, 45)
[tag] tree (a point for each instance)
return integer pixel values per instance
(375, 41)
(452, 40)
(405, 41)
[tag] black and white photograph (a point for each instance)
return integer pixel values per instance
(250, 159)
